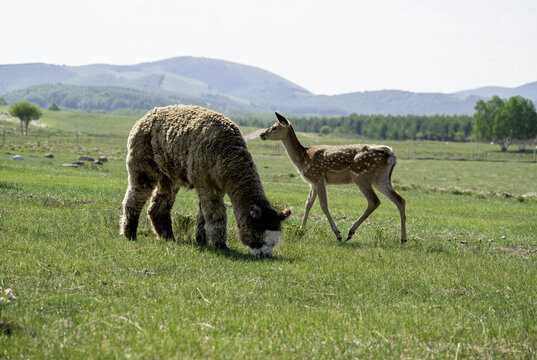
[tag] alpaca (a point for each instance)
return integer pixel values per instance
(363, 165)
(196, 148)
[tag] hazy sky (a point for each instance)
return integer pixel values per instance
(328, 47)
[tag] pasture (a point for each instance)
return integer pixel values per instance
(462, 287)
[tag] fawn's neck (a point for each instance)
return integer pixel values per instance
(295, 150)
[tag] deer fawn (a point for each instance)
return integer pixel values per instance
(364, 165)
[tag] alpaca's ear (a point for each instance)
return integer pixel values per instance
(284, 214)
(256, 212)
(282, 119)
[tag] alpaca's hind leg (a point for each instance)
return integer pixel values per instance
(214, 214)
(201, 236)
(160, 208)
(141, 184)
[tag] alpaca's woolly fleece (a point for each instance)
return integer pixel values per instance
(193, 147)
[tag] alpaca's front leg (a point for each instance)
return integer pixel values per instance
(200, 235)
(214, 214)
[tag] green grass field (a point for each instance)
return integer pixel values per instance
(462, 287)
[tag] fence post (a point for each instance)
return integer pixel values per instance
(534, 152)
(473, 152)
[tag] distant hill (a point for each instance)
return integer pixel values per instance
(222, 85)
(390, 102)
(14, 77)
(528, 91)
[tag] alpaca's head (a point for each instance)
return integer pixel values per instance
(278, 131)
(262, 230)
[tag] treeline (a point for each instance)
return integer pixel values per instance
(383, 127)
(97, 99)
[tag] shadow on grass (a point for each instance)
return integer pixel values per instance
(7, 186)
(235, 255)
(417, 245)
(7, 329)
(375, 243)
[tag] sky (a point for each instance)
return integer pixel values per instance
(328, 47)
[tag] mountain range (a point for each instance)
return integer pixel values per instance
(222, 85)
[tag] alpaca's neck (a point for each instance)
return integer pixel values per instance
(295, 150)
(244, 188)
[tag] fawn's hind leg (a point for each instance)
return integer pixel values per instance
(372, 203)
(384, 185)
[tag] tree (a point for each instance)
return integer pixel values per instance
(505, 121)
(54, 107)
(325, 130)
(2, 101)
(26, 112)
(519, 119)
(485, 116)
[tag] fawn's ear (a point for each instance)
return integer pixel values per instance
(284, 214)
(282, 119)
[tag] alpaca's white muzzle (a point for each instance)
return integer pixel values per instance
(272, 239)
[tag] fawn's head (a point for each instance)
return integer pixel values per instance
(278, 131)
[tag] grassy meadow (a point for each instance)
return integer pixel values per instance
(462, 287)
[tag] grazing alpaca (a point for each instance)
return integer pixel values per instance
(192, 147)
(364, 165)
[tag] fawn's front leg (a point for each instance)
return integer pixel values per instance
(321, 191)
(309, 204)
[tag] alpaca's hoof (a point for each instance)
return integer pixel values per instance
(349, 236)
(129, 236)
(221, 246)
(403, 241)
